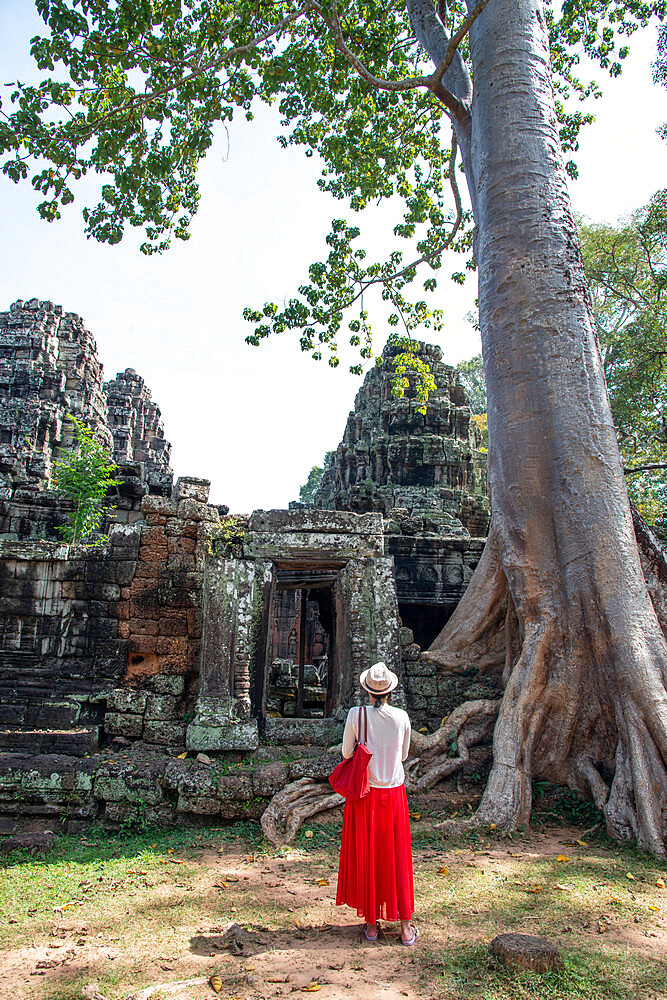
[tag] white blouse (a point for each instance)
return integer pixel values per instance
(388, 740)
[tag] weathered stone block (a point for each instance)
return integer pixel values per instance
(234, 786)
(319, 767)
(200, 805)
(127, 700)
(160, 706)
(420, 668)
(159, 505)
(268, 779)
(164, 733)
(119, 724)
(167, 684)
(189, 488)
(421, 685)
(124, 571)
(242, 736)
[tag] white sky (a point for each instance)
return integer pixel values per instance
(254, 420)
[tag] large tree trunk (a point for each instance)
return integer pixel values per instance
(585, 702)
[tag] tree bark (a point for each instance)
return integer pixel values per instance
(585, 702)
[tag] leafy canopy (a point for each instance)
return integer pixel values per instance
(84, 475)
(134, 91)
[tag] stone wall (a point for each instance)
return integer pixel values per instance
(140, 785)
(160, 616)
(60, 641)
(431, 695)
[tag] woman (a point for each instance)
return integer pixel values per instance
(375, 870)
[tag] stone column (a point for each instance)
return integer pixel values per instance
(367, 628)
(221, 720)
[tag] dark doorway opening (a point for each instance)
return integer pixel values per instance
(300, 674)
(425, 620)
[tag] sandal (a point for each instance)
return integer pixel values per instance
(368, 936)
(415, 935)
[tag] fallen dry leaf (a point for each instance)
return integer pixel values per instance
(312, 987)
(660, 884)
(309, 834)
(615, 899)
(323, 881)
(630, 876)
(656, 909)
(415, 816)
(443, 871)
(277, 979)
(565, 888)
(492, 826)
(533, 888)
(562, 857)
(215, 982)
(182, 756)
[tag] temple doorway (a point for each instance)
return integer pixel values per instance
(426, 620)
(300, 670)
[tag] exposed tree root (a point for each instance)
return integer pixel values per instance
(436, 755)
(293, 805)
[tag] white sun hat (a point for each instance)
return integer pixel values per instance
(378, 679)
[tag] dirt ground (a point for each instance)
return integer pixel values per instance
(156, 923)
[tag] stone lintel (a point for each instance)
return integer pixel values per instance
(320, 522)
(311, 547)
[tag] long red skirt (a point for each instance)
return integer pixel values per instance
(375, 869)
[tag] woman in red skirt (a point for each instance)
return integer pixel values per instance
(375, 869)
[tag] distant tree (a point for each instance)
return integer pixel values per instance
(472, 376)
(309, 489)
(627, 272)
(84, 475)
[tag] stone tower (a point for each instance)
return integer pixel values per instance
(426, 474)
(49, 370)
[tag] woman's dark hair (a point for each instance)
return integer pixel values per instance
(380, 699)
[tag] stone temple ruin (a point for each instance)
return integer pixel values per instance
(190, 636)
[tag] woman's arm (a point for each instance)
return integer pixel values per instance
(407, 733)
(350, 733)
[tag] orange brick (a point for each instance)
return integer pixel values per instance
(172, 645)
(122, 609)
(143, 643)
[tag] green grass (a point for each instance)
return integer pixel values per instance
(470, 971)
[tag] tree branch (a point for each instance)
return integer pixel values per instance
(456, 40)
(645, 468)
(334, 25)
